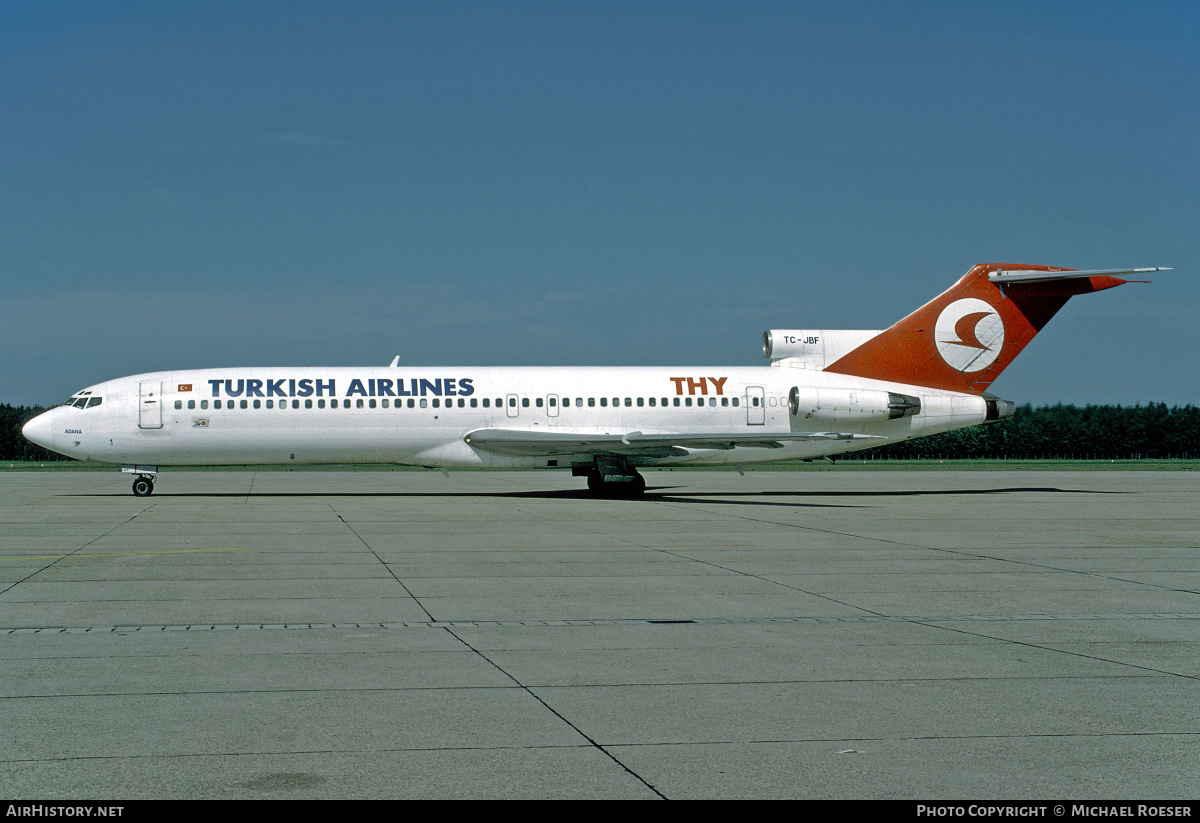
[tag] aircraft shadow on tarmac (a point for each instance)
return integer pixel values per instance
(653, 494)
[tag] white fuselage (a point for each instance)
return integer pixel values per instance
(424, 416)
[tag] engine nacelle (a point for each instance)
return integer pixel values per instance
(811, 349)
(998, 409)
(851, 405)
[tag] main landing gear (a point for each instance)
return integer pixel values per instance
(611, 476)
(143, 484)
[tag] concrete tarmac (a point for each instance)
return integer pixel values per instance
(843, 634)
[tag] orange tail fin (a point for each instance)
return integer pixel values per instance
(965, 337)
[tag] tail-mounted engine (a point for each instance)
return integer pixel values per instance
(851, 405)
(811, 349)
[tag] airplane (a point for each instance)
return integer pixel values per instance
(825, 393)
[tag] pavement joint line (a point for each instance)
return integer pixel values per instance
(553, 746)
(382, 562)
(958, 552)
(34, 574)
(616, 621)
(543, 701)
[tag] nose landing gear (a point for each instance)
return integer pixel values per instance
(143, 484)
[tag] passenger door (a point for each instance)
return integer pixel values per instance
(150, 405)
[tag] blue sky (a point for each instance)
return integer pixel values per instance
(199, 184)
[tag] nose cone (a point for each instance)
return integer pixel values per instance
(40, 430)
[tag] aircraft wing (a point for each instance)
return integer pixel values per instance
(533, 442)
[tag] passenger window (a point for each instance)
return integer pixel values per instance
(412, 404)
(629, 402)
(512, 401)
(687, 401)
(475, 402)
(578, 402)
(257, 404)
(753, 401)
(437, 404)
(462, 403)
(296, 404)
(676, 401)
(525, 402)
(724, 401)
(591, 401)
(538, 402)
(487, 402)
(321, 403)
(735, 401)
(371, 403)
(359, 403)
(652, 401)
(382, 402)
(179, 404)
(553, 402)
(204, 404)
(191, 404)
(604, 402)
(641, 402)
(270, 404)
(217, 404)
(425, 403)
(712, 401)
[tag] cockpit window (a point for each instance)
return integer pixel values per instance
(83, 400)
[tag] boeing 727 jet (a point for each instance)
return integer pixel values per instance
(825, 393)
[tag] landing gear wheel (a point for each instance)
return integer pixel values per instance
(639, 486)
(595, 482)
(143, 486)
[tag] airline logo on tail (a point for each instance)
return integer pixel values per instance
(969, 335)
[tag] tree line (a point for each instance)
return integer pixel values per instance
(12, 445)
(1067, 432)
(1071, 432)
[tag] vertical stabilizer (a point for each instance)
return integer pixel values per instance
(965, 337)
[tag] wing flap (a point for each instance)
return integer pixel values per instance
(529, 443)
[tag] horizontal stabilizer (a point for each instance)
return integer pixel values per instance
(1034, 276)
(526, 443)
